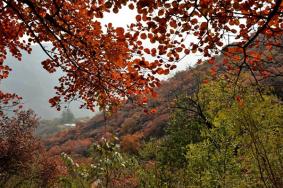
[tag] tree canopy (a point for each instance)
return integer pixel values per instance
(104, 65)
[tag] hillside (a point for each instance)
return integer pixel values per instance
(137, 121)
(131, 119)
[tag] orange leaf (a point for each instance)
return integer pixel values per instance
(143, 36)
(120, 31)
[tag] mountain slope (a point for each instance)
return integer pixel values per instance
(131, 118)
(131, 123)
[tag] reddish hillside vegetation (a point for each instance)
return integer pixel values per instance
(135, 122)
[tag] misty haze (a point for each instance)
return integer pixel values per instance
(29, 80)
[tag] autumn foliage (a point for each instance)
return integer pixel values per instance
(104, 65)
(131, 143)
(22, 156)
(17, 144)
(99, 65)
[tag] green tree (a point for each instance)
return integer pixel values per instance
(225, 135)
(109, 168)
(244, 148)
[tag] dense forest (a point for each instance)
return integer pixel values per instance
(217, 124)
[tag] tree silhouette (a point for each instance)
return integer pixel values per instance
(67, 117)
